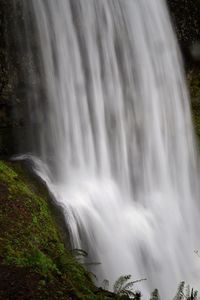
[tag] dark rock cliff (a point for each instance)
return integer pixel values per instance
(186, 19)
(16, 64)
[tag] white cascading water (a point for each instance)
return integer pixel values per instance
(115, 141)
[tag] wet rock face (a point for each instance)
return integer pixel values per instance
(6, 84)
(13, 103)
(186, 19)
(16, 64)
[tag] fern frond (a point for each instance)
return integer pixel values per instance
(79, 253)
(118, 285)
(124, 288)
(187, 292)
(129, 285)
(180, 293)
(105, 284)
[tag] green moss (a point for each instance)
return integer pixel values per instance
(29, 238)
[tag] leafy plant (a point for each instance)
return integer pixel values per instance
(105, 284)
(180, 292)
(187, 292)
(79, 253)
(123, 286)
(184, 293)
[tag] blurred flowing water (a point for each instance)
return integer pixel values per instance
(114, 139)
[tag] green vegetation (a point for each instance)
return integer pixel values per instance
(30, 241)
(184, 292)
(32, 250)
(123, 286)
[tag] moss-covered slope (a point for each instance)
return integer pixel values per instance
(34, 263)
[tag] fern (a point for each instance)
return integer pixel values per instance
(79, 253)
(184, 293)
(105, 284)
(180, 293)
(118, 285)
(187, 293)
(123, 287)
(155, 295)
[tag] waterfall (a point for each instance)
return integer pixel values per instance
(113, 139)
